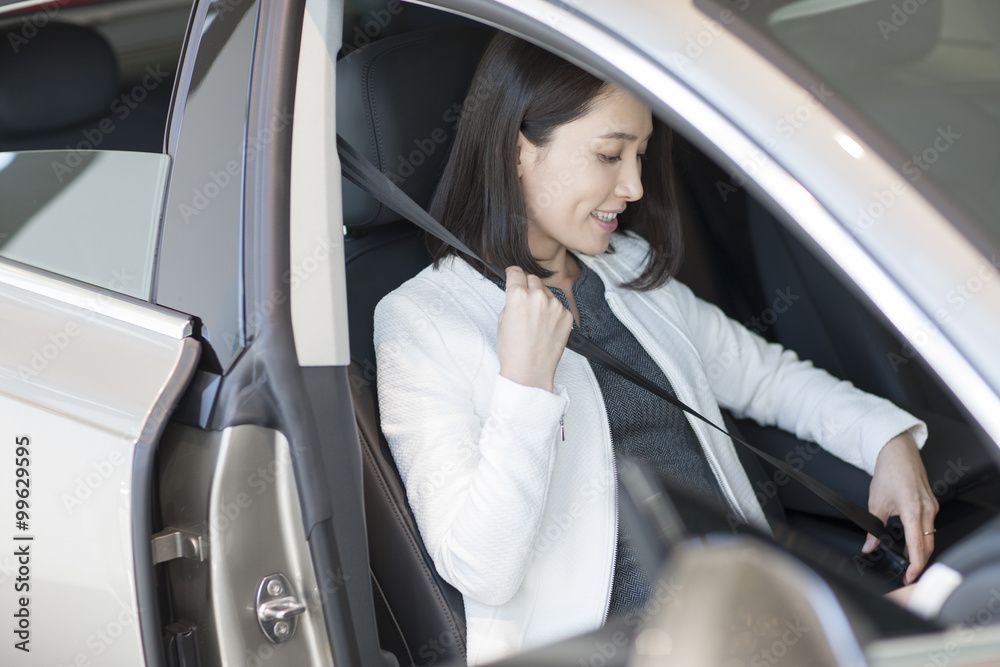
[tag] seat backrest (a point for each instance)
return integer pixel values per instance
(62, 88)
(398, 102)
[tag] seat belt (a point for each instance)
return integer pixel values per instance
(366, 176)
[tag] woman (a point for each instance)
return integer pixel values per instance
(504, 440)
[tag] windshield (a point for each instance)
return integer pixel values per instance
(925, 73)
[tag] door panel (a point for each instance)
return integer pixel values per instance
(235, 490)
(87, 379)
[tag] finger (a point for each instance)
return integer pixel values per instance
(515, 277)
(870, 544)
(916, 548)
(927, 531)
(928, 541)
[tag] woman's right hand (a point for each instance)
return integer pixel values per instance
(532, 331)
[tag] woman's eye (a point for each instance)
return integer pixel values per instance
(642, 156)
(611, 158)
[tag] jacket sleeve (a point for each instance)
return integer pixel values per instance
(477, 483)
(770, 384)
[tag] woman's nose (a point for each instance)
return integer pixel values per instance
(630, 183)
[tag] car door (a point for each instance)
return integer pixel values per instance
(88, 377)
(264, 554)
(178, 449)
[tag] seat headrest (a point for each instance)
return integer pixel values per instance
(398, 103)
(61, 77)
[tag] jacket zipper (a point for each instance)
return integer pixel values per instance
(614, 477)
(709, 455)
(614, 553)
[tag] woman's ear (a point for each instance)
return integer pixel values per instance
(522, 151)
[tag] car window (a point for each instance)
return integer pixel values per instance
(925, 74)
(82, 163)
(92, 216)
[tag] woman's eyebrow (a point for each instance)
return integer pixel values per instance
(623, 136)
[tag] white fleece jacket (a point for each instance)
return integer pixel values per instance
(523, 523)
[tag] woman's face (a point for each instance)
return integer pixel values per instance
(575, 187)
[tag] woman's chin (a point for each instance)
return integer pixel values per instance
(594, 246)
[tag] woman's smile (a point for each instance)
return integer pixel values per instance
(606, 220)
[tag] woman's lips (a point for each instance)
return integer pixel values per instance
(610, 226)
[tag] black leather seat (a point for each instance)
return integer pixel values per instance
(398, 102)
(62, 88)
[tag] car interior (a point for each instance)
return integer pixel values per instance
(404, 86)
(402, 76)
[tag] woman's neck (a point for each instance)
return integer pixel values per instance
(565, 269)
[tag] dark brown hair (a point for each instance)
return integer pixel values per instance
(521, 87)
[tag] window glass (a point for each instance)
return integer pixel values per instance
(926, 74)
(88, 215)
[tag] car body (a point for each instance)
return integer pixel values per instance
(175, 362)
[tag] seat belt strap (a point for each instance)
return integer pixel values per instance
(366, 176)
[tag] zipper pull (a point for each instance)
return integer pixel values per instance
(562, 430)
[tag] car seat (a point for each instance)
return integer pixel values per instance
(398, 102)
(61, 89)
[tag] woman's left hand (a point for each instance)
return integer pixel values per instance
(900, 488)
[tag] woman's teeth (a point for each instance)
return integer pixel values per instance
(606, 217)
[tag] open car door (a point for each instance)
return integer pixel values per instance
(88, 379)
